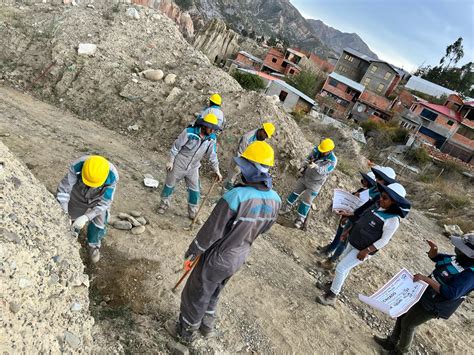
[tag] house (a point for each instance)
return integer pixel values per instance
(372, 106)
(284, 63)
(320, 63)
(376, 75)
(338, 95)
(448, 127)
(416, 83)
(245, 59)
(291, 98)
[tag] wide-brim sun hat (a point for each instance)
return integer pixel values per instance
(465, 244)
(397, 193)
(385, 173)
(369, 177)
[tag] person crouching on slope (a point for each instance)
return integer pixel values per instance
(316, 169)
(449, 284)
(189, 148)
(223, 243)
(370, 233)
(86, 193)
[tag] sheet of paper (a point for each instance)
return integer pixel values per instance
(345, 201)
(398, 295)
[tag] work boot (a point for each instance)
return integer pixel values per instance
(207, 327)
(323, 251)
(163, 207)
(94, 254)
(324, 286)
(385, 343)
(178, 332)
(299, 224)
(328, 299)
(327, 264)
(285, 210)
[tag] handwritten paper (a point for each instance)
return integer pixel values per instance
(398, 295)
(345, 201)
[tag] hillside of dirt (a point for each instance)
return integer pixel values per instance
(44, 293)
(268, 306)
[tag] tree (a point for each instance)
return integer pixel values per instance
(272, 41)
(244, 32)
(249, 81)
(446, 74)
(307, 81)
(252, 35)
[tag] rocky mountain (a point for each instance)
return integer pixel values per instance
(338, 40)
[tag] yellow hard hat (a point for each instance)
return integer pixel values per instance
(260, 152)
(326, 145)
(216, 99)
(211, 118)
(269, 129)
(95, 171)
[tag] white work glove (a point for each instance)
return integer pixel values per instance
(78, 224)
(312, 165)
(218, 175)
(169, 165)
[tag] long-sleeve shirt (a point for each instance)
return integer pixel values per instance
(316, 174)
(390, 226)
(189, 149)
(73, 194)
(216, 110)
(245, 140)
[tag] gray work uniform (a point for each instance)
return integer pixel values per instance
(234, 170)
(308, 186)
(78, 199)
(224, 242)
(186, 154)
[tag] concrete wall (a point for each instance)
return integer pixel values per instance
(291, 99)
(439, 125)
(377, 77)
(351, 67)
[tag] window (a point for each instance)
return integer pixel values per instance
(380, 88)
(387, 75)
(450, 123)
(283, 95)
(349, 58)
(366, 82)
(430, 115)
(373, 68)
(333, 82)
(274, 60)
(292, 71)
(466, 132)
(284, 64)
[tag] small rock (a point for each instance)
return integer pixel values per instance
(452, 229)
(147, 63)
(138, 230)
(133, 13)
(135, 213)
(142, 220)
(57, 258)
(24, 283)
(86, 49)
(79, 280)
(90, 6)
(15, 307)
(150, 182)
(76, 307)
(72, 340)
(177, 348)
(129, 218)
(134, 127)
(175, 92)
(53, 279)
(113, 219)
(10, 236)
(153, 75)
(134, 80)
(170, 79)
(123, 225)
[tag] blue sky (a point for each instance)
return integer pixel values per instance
(404, 32)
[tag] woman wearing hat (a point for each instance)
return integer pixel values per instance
(337, 246)
(449, 284)
(370, 233)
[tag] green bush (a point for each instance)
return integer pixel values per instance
(184, 4)
(249, 81)
(390, 131)
(307, 81)
(419, 155)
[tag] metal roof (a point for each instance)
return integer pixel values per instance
(351, 83)
(427, 87)
(248, 55)
(295, 91)
(369, 59)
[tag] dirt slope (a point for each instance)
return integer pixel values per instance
(268, 306)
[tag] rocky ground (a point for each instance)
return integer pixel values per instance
(269, 305)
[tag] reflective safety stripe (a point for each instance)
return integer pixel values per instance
(303, 209)
(256, 219)
(210, 312)
(189, 323)
(292, 198)
(198, 246)
(193, 197)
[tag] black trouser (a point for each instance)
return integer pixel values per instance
(404, 330)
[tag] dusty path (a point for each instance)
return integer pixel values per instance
(267, 307)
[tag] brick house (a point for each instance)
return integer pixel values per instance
(284, 63)
(246, 60)
(320, 63)
(338, 95)
(448, 127)
(376, 75)
(371, 106)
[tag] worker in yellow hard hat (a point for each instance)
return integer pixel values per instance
(260, 134)
(315, 171)
(86, 193)
(222, 245)
(191, 146)
(214, 107)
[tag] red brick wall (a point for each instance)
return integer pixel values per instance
(273, 53)
(339, 90)
(321, 63)
(393, 85)
(463, 140)
(243, 59)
